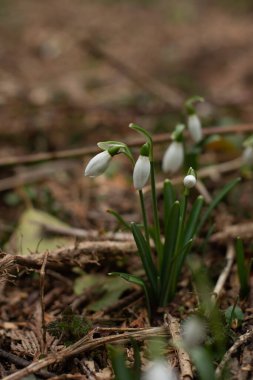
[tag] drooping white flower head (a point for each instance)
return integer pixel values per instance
(247, 155)
(98, 164)
(159, 370)
(194, 126)
(193, 331)
(190, 181)
(173, 157)
(141, 172)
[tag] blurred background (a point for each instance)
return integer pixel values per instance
(57, 91)
(76, 72)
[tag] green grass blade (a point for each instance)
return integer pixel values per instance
(145, 255)
(137, 281)
(120, 219)
(120, 369)
(193, 219)
(169, 198)
(171, 233)
(178, 265)
(242, 269)
(226, 189)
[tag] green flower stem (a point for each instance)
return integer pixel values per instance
(144, 216)
(180, 237)
(155, 213)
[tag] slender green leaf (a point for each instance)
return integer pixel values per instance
(137, 281)
(120, 219)
(242, 269)
(222, 193)
(179, 263)
(145, 255)
(137, 361)
(193, 219)
(203, 363)
(169, 198)
(120, 370)
(171, 233)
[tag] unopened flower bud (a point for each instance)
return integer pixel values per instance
(194, 126)
(189, 181)
(98, 164)
(173, 157)
(141, 172)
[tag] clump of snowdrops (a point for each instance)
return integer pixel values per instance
(162, 253)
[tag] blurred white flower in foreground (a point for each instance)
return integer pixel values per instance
(160, 370)
(141, 172)
(194, 126)
(98, 164)
(193, 331)
(173, 157)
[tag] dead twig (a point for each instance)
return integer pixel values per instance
(241, 340)
(42, 303)
(244, 230)
(83, 234)
(80, 152)
(85, 344)
(36, 174)
(22, 363)
(88, 252)
(184, 360)
(230, 255)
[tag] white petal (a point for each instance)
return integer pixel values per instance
(160, 370)
(247, 155)
(98, 164)
(193, 331)
(194, 126)
(173, 157)
(190, 181)
(141, 172)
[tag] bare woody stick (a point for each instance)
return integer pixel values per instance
(80, 152)
(230, 255)
(183, 357)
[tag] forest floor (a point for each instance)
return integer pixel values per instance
(75, 74)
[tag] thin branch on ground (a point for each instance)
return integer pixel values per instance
(20, 362)
(184, 360)
(230, 255)
(238, 343)
(83, 234)
(85, 344)
(244, 230)
(82, 254)
(81, 152)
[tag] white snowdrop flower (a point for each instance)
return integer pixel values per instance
(98, 164)
(141, 172)
(173, 157)
(189, 181)
(193, 331)
(247, 155)
(194, 126)
(159, 370)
